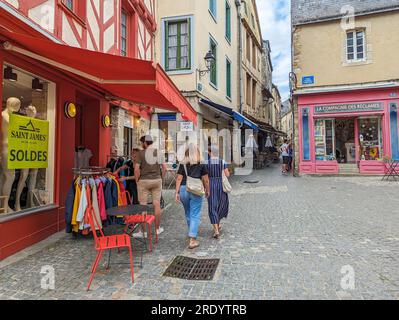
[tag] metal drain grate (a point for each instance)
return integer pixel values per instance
(192, 269)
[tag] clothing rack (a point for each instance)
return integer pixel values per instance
(90, 171)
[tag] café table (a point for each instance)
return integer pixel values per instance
(392, 167)
(125, 211)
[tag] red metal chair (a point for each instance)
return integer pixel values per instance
(144, 219)
(103, 243)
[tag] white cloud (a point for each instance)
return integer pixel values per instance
(275, 21)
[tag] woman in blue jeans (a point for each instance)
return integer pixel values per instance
(192, 203)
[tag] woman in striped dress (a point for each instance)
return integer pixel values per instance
(218, 201)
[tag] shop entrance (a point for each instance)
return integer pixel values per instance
(345, 150)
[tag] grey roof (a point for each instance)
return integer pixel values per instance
(307, 11)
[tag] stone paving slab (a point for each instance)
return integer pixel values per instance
(286, 238)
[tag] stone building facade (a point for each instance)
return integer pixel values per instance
(346, 67)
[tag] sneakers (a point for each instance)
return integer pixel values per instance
(160, 230)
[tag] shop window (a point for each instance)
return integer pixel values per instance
(305, 134)
(355, 45)
(370, 139)
(178, 45)
(169, 130)
(324, 140)
(28, 129)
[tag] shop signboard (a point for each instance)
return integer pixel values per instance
(346, 108)
(27, 143)
(186, 126)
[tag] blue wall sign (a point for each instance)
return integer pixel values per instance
(308, 80)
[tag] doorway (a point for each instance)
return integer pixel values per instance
(345, 149)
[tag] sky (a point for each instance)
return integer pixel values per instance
(275, 22)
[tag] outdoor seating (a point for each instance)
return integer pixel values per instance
(392, 169)
(103, 243)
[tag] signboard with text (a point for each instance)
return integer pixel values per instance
(308, 80)
(345, 108)
(27, 143)
(186, 126)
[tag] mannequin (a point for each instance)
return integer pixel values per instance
(31, 113)
(13, 105)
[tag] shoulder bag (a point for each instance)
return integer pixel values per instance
(227, 188)
(194, 185)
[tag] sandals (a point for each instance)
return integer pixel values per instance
(216, 235)
(193, 244)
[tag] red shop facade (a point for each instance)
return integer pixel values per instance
(39, 79)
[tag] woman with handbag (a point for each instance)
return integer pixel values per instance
(192, 184)
(218, 201)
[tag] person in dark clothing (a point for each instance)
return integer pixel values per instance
(131, 184)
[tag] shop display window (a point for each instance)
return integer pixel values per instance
(370, 138)
(27, 150)
(169, 130)
(324, 140)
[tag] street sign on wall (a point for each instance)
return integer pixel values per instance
(308, 80)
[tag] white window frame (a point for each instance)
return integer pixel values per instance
(355, 52)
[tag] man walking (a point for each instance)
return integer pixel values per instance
(149, 172)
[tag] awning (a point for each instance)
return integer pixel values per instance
(230, 112)
(127, 79)
(218, 107)
(242, 119)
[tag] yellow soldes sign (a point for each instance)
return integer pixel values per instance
(27, 143)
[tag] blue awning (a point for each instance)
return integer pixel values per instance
(242, 119)
(231, 113)
(218, 107)
(167, 117)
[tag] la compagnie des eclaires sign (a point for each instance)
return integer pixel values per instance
(27, 143)
(343, 108)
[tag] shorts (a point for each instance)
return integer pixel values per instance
(146, 188)
(286, 159)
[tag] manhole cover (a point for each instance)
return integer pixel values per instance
(192, 269)
(251, 182)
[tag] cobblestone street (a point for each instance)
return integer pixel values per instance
(286, 238)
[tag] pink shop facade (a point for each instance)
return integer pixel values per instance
(354, 130)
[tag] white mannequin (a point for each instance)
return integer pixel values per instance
(12, 105)
(30, 112)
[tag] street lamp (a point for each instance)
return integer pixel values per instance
(209, 60)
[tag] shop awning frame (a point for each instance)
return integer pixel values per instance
(244, 120)
(137, 81)
(218, 107)
(231, 113)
